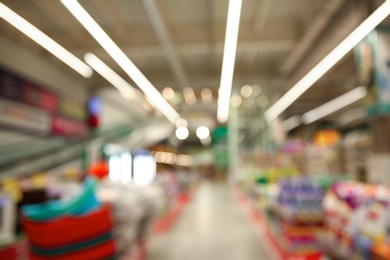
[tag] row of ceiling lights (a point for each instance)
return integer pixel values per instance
(189, 95)
(248, 91)
(234, 12)
(151, 93)
(171, 158)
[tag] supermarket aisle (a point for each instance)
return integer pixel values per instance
(211, 227)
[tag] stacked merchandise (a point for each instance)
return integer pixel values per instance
(51, 227)
(296, 220)
(357, 221)
(111, 220)
(133, 210)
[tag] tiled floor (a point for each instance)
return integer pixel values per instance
(211, 227)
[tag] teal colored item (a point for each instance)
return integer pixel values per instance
(85, 202)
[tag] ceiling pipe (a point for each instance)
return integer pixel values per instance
(313, 32)
(161, 31)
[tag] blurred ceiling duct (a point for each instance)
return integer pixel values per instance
(161, 31)
(316, 28)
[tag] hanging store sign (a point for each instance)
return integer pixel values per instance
(22, 116)
(68, 127)
(38, 97)
(72, 109)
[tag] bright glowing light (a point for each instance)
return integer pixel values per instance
(184, 160)
(114, 164)
(189, 96)
(45, 41)
(207, 96)
(111, 76)
(246, 91)
(257, 90)
(236, 101)
(291, 123)
(182, 133)
(163, 157)
(120, 57)
(181, 122)
(202, 132)
(334, 105)
(229, 56)
(157, 156)
(262, 101)
(144, 169)
(126, 168)
(329, 61)
(168, 93)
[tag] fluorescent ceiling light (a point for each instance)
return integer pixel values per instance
(291, 123)
(45, 41)
(120, 57)
(189, 96)
(329, 61)
(334, 105)
(181, 122)
(111, 76)
(229, 56)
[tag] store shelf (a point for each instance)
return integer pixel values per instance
(259, 223)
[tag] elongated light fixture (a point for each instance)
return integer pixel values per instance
(120, 57)
(229, 57)
(45, 41)
(329, 61)
(111, 76)
(291, 123)
(334, 105)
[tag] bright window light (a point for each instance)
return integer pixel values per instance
(229, 56)
(189, 96)
(182, 133)
(334, 105)
(291, 123)
(202, 132)
(111, 76)
(45, 41)
(329, 61)
(120, 57)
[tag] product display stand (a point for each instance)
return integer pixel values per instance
(265, 234)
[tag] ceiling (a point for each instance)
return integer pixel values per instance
(180, 43)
